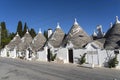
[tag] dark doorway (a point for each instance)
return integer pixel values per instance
(70, 54)
(48, 55)
(30, 53)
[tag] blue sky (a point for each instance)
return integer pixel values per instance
(45, 14)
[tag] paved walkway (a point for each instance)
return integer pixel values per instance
(15, 69)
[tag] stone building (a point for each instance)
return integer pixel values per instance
(113, 36)
(67, 48)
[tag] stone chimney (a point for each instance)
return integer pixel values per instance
(49, 32)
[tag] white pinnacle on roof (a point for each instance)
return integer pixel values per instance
(27, 31)
(40, 30)
(75, 23)
(117, 21)
(94, 34)
(58, 25)
(17, 34)
(99, 27)
(111, 24)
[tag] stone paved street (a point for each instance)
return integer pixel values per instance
(15, 69)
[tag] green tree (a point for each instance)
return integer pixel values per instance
(46, 34)
(82, 59)
(113, 62)
(19, 29)
(4, 31)
(12, 35)
(25, 28)
(32, 32)
(4, 35)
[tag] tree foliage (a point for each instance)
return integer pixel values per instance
(5, 39)
(25, 28)
(12, 35)
(82, 59)
(46, 34)
(19, 29)
(32, 32)
(113, 62)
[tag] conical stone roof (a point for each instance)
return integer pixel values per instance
(25, 42)
(57, 37)
(113, 36)
(14, 42)
(77, 36)
(38, 42)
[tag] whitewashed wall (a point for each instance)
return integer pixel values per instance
(118, 57)
(62, 54)
(42, 55)
(100, 57)
(97, 57)
(12, 54)
(104, 56)
(77, 53)
(92, 57)
(4, 52)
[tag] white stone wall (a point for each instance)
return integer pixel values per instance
(62, 54)
(42, 55)
(103, 56)
(118, 57)
(92, 57)
(77, 53)
(27, 55)
(97, 57)
(12, 54)
(3, 52)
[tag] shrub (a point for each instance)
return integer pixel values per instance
(52, 56)
(82, 59)
(113, 62)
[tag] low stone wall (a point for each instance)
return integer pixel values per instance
(97, 57)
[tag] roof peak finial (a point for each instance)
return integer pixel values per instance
(58, 25)
(27, 31)
(117, 21)
(40, 30)
(76, 23)
(94, 34)
(17, 34)
(111, 24)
